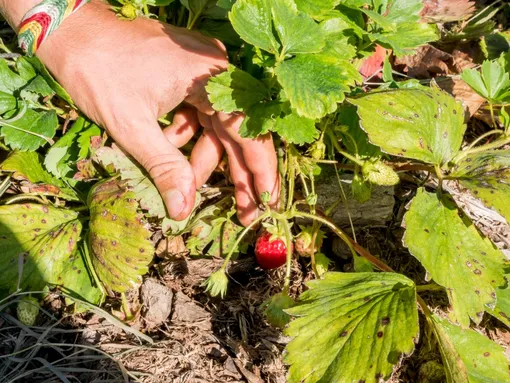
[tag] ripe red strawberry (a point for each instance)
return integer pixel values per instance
(270, 254)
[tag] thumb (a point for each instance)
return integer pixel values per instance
(167, 166)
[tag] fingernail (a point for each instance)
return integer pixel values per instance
(174, 201)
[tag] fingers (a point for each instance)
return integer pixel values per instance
(246, 198)
(168, 168)
(206, 156)
(184, 125)
(259, 155)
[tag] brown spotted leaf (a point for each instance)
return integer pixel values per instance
(455, 255)
(143, 187)
(468, 356)
(26, 167)
(487, 176)
(41, 242)
(425, 123)
(120, 247)
(441, 11)
(351, 327)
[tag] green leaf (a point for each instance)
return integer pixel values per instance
(407, 37)
(43, 236)
(10, 82)
(235, 90)
(468, 356)
(252, 20)
(424, 124)
(493, 83)
(31, 131)
(84, 140)
(502, 309)
(120, 244)
(352, 327)
(454, 254)
(404, 11)
(171, 227)
(298, 32)
(295, 129)
(41, 69)
(26, 167)
(25, 69)
(314, 84)
(221, 30)
(487, 176)
(336, 31)
(260, 119)
(316, 7)
(39, 86)
(7, 102)
(145, 191)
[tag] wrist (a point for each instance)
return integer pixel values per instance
(14, 11)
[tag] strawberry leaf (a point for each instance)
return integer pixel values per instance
(235, 90)
(487, 176)
(468, 356)
(315, 83)
(455, 255)
(31, 131)
(145, 191)
(493, 83)
(9, 81)
(295, 129)
(407, 37)
(424, 124)
(352, 327)
(120, 247)
(26, 167)
(252, 20)
(45, 238)
(316, 7)
(7, 102)
(260, 119)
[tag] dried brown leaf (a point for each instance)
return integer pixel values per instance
(446, 10)
(426, 62)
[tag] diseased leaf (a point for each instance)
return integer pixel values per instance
(351, 327)
(487, 176)
(120, 246)
(493, 83)
(252, 20)
(455, 255)
(424, 124)
(315, 83)
(26, 167)
(295, 129)
(502, 309)
(235, 90)
(297, 32)
(44, 236)
(31, 131)
(468, 356)
(145, 191)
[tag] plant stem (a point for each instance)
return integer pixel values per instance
(288, 238)
(125, 307)
(491, 108)
(241, 236)
(486, 134)
(348, 240)
(483, 148)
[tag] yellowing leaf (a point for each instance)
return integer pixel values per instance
(351, 327)
(424, 124)
(455, 255)
(120, 247)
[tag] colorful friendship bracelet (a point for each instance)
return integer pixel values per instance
(42, 20)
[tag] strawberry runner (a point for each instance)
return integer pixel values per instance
(42, 20)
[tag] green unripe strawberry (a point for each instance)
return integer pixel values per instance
(361, 189)
(27, 310)
(318, 150)
(303, 242)
(128, 11)
(321, 264)
(379, 173)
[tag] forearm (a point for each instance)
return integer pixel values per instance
(14, 10)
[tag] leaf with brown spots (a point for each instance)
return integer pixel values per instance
(41, 241)
(144, 189)
(120, 244)
(352, 327)
(454, 254)
(425, 123)
(487, 176)
(468, 356)
(26, 167)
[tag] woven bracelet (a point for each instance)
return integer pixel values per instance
(42, 20)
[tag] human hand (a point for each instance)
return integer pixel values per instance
(123, 75)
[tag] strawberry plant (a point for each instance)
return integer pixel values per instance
(78, 213)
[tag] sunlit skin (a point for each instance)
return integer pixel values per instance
(125, 74)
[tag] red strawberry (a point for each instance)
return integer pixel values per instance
(270, 254)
